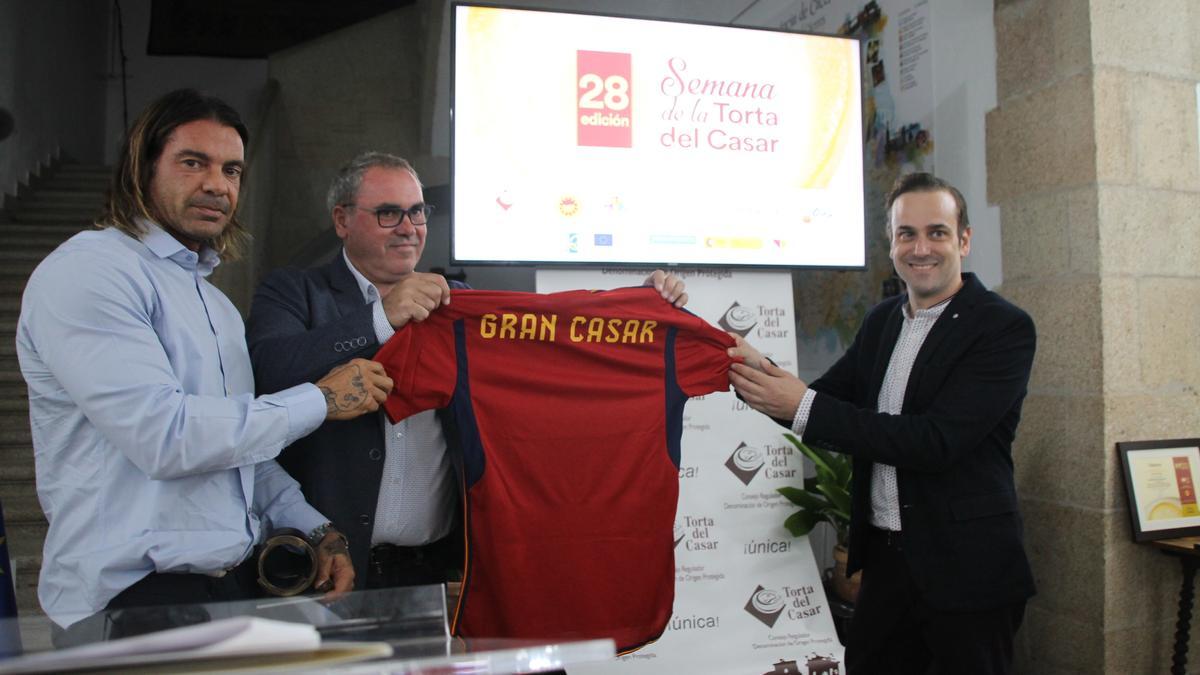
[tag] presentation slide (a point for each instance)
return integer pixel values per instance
(585, 139)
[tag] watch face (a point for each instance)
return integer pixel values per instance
(319, 533)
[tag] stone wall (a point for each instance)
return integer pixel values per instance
(1092, 159)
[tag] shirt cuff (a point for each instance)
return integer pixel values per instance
(800, 421)
(301, 516)
(383, 327)
(306, 409)
(308, 519)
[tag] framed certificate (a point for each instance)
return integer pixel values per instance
(1160, 482)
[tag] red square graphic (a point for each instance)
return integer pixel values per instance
(604, 108)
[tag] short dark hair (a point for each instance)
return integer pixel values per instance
(926, 182)
(345, 185)
(128, 193)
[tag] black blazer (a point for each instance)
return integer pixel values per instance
(303, 323)
(951, 444)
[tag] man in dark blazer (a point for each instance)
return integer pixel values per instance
(347, 308)
(390, 488)
(927, 400)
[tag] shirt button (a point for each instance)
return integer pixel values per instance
(374, 453)
(364, 519)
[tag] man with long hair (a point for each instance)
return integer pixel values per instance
(155, 461)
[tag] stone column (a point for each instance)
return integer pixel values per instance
(1093, 161)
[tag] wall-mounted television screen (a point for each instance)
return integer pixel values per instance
(602, 140)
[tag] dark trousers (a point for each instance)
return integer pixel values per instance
(895, 632)
(434, 563)
(159, 601)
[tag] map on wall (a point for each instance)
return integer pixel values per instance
(898, 120)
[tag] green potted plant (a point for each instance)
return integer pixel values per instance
(825, 497)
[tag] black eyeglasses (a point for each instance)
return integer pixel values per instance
(390, 216)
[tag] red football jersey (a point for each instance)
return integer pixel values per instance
(569, 411)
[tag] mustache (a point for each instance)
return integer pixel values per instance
(217, 203)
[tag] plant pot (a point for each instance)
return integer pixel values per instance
(846, 588)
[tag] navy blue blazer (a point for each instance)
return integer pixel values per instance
(951, 444)
(302, 323)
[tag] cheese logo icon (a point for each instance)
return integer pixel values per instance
(765, 605)
(738, 319)
(745, 462)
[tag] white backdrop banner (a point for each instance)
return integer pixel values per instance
(748, 595)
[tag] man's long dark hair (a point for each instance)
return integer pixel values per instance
(128, 193)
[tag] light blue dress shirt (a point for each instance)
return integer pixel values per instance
(151, 452)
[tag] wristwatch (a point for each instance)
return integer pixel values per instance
(318, 533)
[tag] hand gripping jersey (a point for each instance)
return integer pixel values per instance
(569, 410)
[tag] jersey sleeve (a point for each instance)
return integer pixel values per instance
(701, 360)
(422, 362)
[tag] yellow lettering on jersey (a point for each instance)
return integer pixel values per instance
(538, 327)
(595, 330)
(648, 331)
(630, 334)
(528, 326)
(509, 326)
(623, 331)
(614, 330)
(487, 326)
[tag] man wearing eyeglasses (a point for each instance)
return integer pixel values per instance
(390, 488)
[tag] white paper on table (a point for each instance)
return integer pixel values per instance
(236, 636)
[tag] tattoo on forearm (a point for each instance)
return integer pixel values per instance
(330, 400)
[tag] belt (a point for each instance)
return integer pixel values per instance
(893, 539)
(239, 568)
(390, 554)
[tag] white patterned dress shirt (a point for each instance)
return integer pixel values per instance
(885, 499)
(417, 492)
